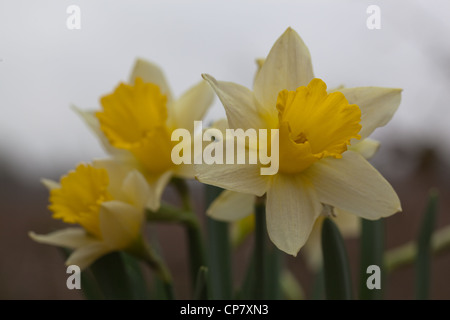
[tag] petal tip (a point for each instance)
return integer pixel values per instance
(210, 79)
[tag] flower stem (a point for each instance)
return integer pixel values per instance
(260, 250)
(194, 233)
(219, 252)
(423, 261)
(143, 251)
(371, 253)
(336, 267)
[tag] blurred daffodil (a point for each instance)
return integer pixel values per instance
(107, 202)
(137, 120)
(315, 127)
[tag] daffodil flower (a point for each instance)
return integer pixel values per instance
(137, 120)
(316, 127)
(107, 202)
(238, 208)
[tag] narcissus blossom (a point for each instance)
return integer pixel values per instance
(316, 128)
(106, 202)
(137, 120)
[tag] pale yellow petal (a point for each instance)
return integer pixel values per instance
(288, 66)
(150, 72)
(120, 224)
(68, 238)
(354, 185)
(50, 184)
(292, 208)
(378, 106)
(367, 147)
(221, 124)
(84, 256)
(239, 104)
(192, 105)
(136, 189)
(348, 223)
(312, 249)
(117, 171)
(157, 186)
(92, 122)
(231, 206)
(244, 178)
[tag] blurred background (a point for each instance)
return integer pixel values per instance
(45, 68)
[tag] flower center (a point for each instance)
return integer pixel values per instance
(80, 196)
(314, 125)
(134, 118)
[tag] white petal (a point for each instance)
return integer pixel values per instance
(238, 102)
(367, 147)
(377, 105)
(292, 209)
(353, 185)
(150, 72)
(348, 223)
(244, 178)
(288, 66)
(192, 105)
(84, 256)
(231, 206)
(92, 122)
(68, 238)
(50, 184)
(136, 189)
(157, 186)
(120, 223)
(221, 124)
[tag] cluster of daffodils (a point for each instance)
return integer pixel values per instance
(323, 149)
(109, 197)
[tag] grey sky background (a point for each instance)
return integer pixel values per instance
(44, 67)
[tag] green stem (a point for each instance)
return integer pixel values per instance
(110, 273)
(143, 251)
(219, 252)
(201, 285)
(335, 263)
(372, 249)
(194, 233)
(260, 250)
(171, 214)
(423, 261)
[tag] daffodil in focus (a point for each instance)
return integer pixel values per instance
(106, 203)
(137, 119)
(316, 128)
(238, 208)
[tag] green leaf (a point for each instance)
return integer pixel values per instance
(274, 262)
(338, 284)
(201, 285)
(424, 250)
(263, 275)
(319, 285)
(219, 252)
(372, 253)
(112, 278)
(245, 291)
(196, 250)
(136, 277)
